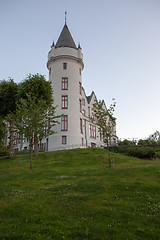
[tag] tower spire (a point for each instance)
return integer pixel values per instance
(65, 17)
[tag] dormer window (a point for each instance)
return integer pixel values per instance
(64, 65)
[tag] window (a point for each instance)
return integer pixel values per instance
(64, 122)
(83, 113)
(64, 102)
(100, 131)
(64, 65)
(80, 71)
(89, 111)
(64, 139)
(80, 105)
(64, 83)
(49, 70)
(81, 128)
(93, 145)
(92, 130)
(83, 102)
(80, 88)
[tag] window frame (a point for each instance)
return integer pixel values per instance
(64, 102)
(64, 83)
(80, 105)
(64, 139)
(80, 88)
(64, 123)
(81, 125)
(92, 131)
(64, 65)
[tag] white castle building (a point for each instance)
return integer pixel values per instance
(65, 65)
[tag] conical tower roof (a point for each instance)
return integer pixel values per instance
(65, 39)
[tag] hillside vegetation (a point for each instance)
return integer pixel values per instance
(68, 195)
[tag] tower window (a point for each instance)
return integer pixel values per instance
(49, 70)
(64, 65)
(80, 88)
(83, 101)
(80, 105)
(64, 102)
(64, 122)
(80, 71)
(64, 139)
(83, 112)
(81, 128)
(64, 83)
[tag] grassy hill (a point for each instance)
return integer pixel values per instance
(68, 195)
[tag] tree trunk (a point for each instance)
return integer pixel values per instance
(31, 148)
(36, 148)
(108, 148)
(11, 130)
(109, 157)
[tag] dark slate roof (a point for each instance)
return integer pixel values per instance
(65, 39)
(90, 97)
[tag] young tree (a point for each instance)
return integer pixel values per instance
(37, 87)
(154, 138)
(8, 100)
(105, 120)
(34, 118)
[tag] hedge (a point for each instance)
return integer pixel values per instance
(140, 152)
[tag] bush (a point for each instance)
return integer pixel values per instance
(25, 151)
(4, 151)
(139, 152)
(126, 142)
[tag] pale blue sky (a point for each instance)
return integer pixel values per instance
(120, 41)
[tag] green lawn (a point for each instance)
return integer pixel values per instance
(68, 195)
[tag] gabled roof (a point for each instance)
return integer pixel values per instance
(65, 39)
(90, 97)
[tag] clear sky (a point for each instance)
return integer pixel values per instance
(120, 41)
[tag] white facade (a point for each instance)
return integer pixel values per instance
(65, 65)
(72, 104)
(74, 64)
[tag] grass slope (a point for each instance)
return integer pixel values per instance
(68, 195)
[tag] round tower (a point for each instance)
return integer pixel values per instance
(65, 63)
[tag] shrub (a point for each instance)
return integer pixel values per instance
(22, 152)
(140, 152)
(4, 151)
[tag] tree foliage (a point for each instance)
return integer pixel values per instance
(39, 89)
(127, 142)
(8, 97)
(155, 137)
(8, 100)
(2, 130)
(34, 118)
(36, 86)
(104, 119)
